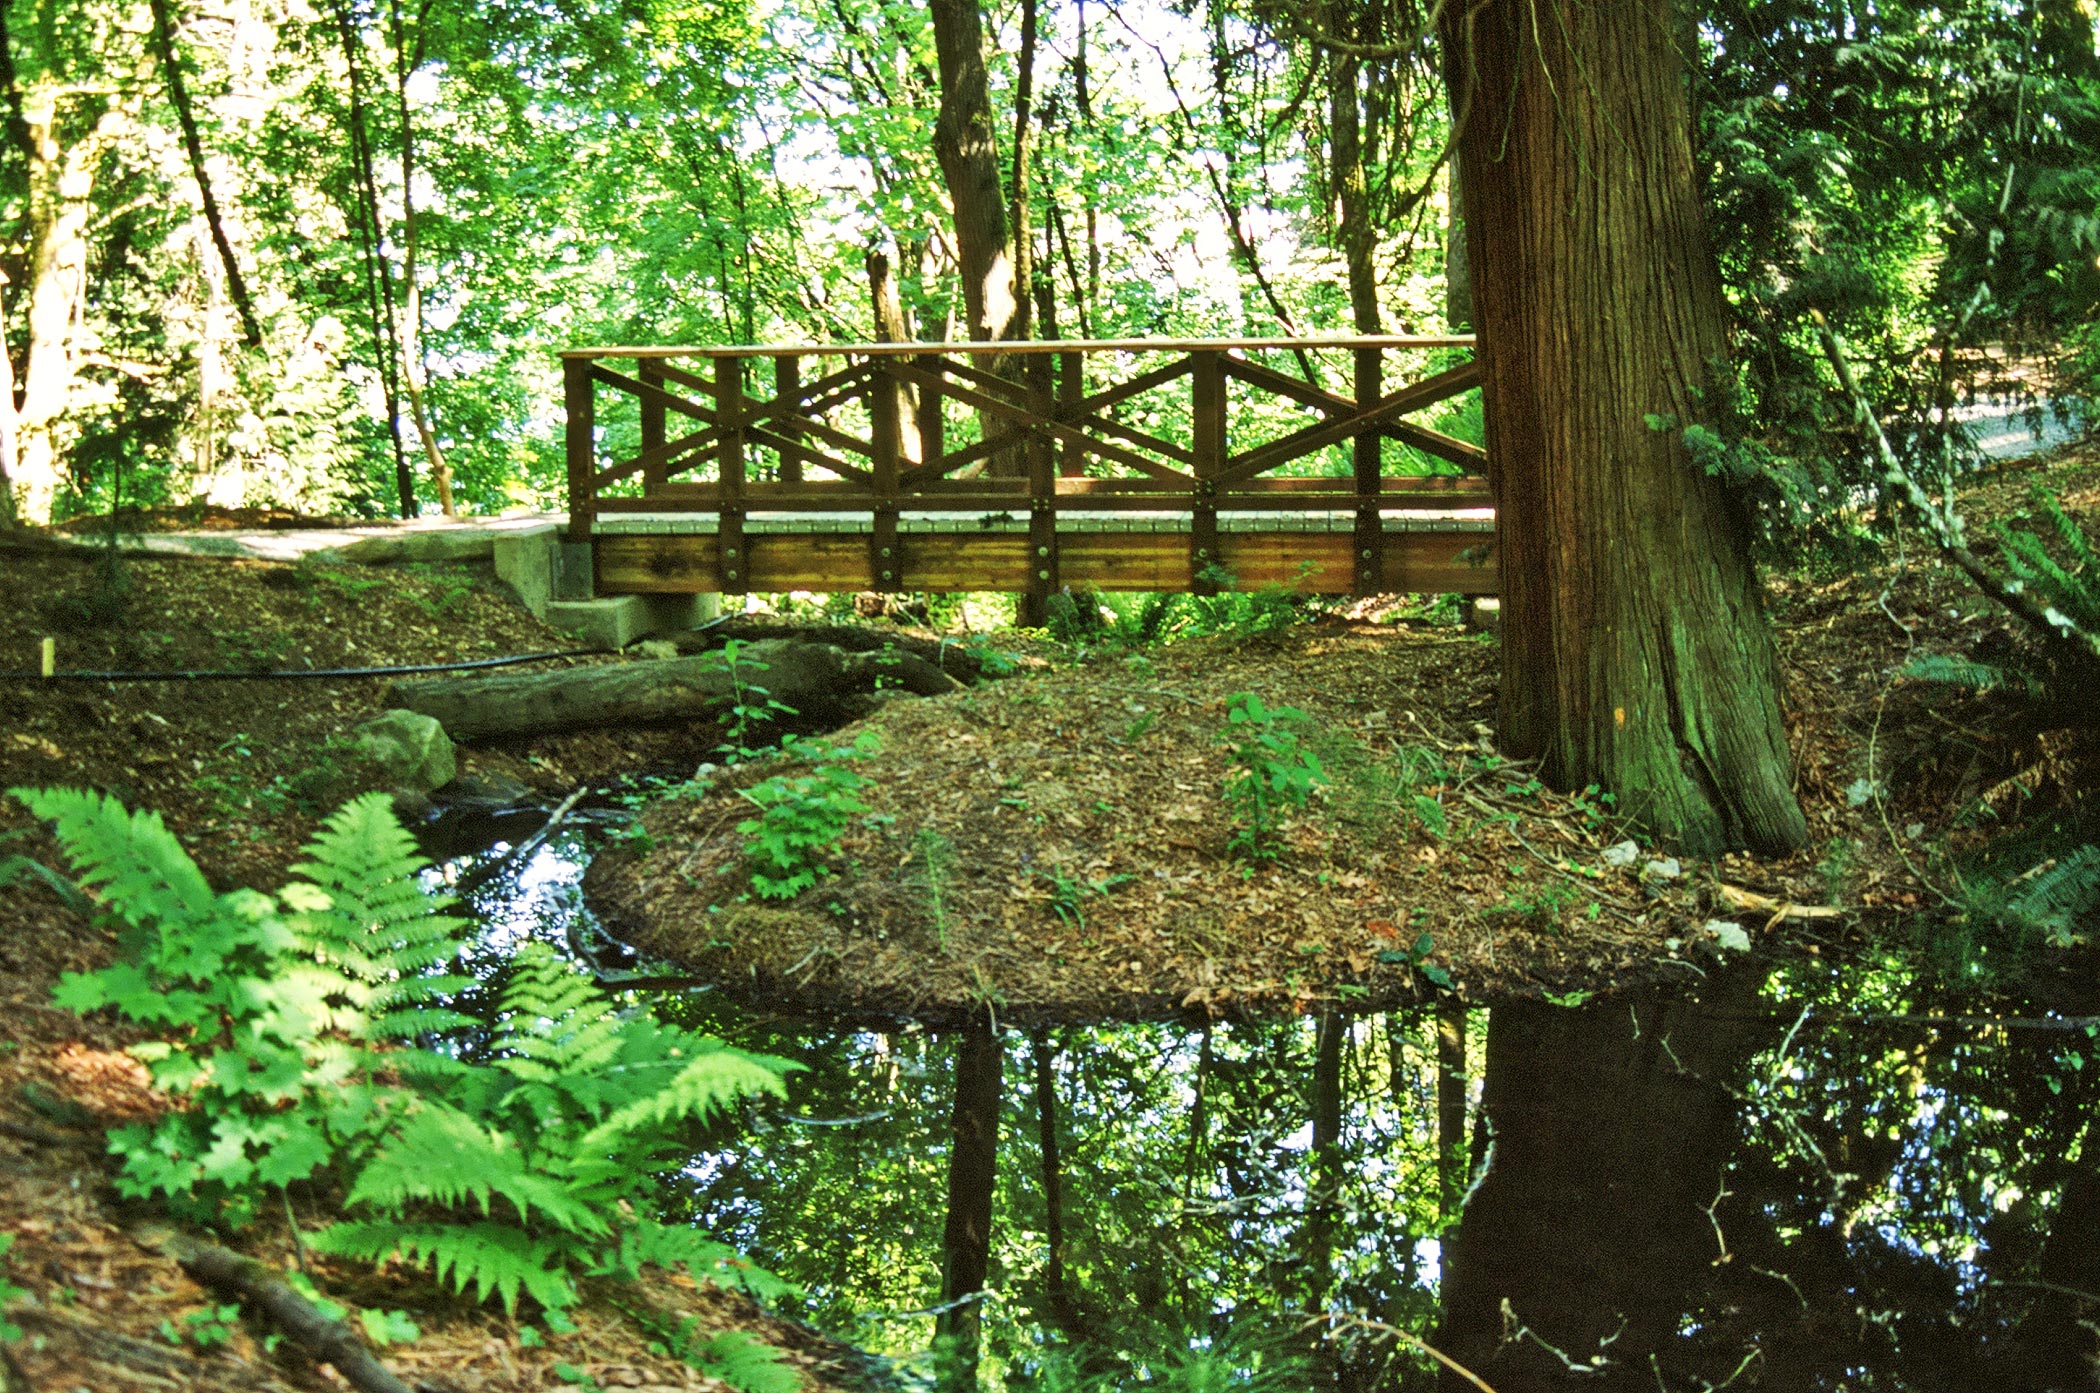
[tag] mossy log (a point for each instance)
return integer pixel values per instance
(819, 681)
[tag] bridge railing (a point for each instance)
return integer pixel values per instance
(1061, 437)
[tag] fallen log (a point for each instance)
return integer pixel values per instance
(327, 1341)
(816, 679)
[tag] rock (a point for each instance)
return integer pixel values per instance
(660, 649)
(1664, 868)
(1726, 935)
(491, 793)
(1624, 854)
(408, 750)
(435, 544)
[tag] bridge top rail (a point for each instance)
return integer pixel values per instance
(916, 349)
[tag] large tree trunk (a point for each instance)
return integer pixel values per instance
(968, 149)
(1636, 654)
(61, 182)
(965, 141)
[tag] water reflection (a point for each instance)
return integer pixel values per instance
(1661, 1192)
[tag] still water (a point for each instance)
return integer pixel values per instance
(1789, 1178)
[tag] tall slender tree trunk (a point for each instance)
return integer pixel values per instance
(1350, 187)
(412, 374)
(193, 143)
(379, 286)
(1636, 652)
(61, 181)
(966, 1246)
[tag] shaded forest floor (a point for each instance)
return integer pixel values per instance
(1052, 846)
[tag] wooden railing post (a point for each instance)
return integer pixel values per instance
(787, 387)
(1071, 390)
(651, 373)
(1369, 538)
(1207, 444)
(885, 558)
(1043, 577)
(729, 466)
(580, 407)
(933, 425)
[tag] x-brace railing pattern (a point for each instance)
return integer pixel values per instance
(870, 438)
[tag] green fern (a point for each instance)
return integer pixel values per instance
(1964, 672)
(491, 1258)
(373, 919)
(744, 1363)
(579, 1108)
(2061, 899)
(141, 875)
(248, 1031)
(278, 1015)
(2072, 585)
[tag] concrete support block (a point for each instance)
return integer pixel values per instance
(575, 577)
(527, 562)
(618, 620)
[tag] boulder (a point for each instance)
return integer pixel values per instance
(407, 750)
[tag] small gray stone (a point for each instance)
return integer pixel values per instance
(409, 749)
(1665, 868)
(1624, 854)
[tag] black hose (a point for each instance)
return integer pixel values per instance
(307, 674)
(294, 674)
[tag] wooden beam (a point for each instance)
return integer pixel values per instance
(580, 442)
(1207, 418)
(786, 406)
(1367, 460)
(1315, 562)
(729, 474)
(913, 349)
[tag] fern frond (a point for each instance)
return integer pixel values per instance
(650, 1243)
(2070, 534)
(745, 1363)
(717, 1077)
(1963, 672)
(139, 871)
(555, 1019)
(2027, 559)
(372, 914)
(491, 1258)
(442, 1156)
(2066, 892)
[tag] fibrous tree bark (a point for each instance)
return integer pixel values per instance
(1636, 652)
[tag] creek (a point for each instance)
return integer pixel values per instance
(1795, 1177)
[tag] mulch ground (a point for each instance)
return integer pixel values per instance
(1057, 849)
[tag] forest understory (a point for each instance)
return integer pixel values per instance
(1047, 847)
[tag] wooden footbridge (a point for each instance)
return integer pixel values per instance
(940, 467)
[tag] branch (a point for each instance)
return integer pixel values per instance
(2060, 633)
(330, 1342)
